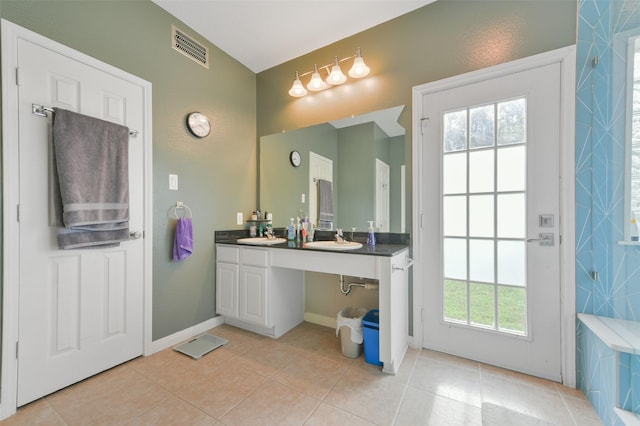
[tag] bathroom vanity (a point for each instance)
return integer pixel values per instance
(261, 288)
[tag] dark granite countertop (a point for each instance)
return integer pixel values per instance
(387, 243)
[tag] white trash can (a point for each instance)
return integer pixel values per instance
(349, 326)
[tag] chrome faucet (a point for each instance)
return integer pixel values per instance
(339, 237)
(269, 234)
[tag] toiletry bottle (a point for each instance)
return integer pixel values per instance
(270, 224)
(304, 232)
(297, 229)
(311, 232)
(371, 238)
(634, 228)
(291, 233)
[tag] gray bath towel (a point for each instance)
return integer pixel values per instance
(92, 164)
(325, 204)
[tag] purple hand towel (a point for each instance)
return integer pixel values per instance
(183, 243)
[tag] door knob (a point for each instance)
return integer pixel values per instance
(545, 239)
(134, 235)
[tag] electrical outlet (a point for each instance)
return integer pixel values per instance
(239, 219)
(173, 182)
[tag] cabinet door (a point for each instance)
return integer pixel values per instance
(253, 295)
(227, 289)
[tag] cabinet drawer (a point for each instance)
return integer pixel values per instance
(228, 254)
(254, 257)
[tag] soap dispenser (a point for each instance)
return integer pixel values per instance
(371, 237)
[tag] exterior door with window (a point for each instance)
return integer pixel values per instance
(492, 263)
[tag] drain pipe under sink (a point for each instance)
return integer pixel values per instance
(346, 291)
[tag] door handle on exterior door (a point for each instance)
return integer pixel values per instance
(544, 238)
(135, 235)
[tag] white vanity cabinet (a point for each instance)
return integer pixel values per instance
(254, 286)
(252, 295)
(227, 281)
(261, 289)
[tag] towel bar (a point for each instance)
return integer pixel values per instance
(42, 111)
(186, 210)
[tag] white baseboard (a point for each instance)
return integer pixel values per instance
(186, 334)
(330, 322)
(412, 342)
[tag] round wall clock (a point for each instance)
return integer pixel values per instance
(198, 124)
(295, 158)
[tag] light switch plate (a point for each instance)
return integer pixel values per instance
(173, 182)
(302, 198)
(239, 218)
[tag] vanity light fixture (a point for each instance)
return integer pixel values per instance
(297, 90)
(335, 77)
(359, 68)
(316, 83)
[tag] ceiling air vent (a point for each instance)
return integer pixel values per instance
(189, 47)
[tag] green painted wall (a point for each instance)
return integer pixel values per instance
(355, 193)
(397, 159)
(217, 174)
(440, 40)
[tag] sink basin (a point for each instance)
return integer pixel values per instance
(261, 241)
(332, 245)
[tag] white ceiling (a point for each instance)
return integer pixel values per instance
(264, 33)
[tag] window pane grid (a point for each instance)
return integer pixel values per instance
(484, 178)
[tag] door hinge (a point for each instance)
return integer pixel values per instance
(17, 76)
(18, 213)
(422, 315)
(16, 350)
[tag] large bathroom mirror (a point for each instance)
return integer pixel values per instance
(354, 168)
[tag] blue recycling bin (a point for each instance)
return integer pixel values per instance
(371, 329)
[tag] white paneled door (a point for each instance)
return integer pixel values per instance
(492, 261)
(319, 168)
(80, 311)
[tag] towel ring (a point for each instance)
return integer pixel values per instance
(186, 211)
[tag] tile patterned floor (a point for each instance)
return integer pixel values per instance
(300, 379)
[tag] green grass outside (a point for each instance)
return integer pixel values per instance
(512, 307)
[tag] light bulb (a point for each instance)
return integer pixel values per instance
(297, 89)
(316, 83)
(359, 68)
(337, 76)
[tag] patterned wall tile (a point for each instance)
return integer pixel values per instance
(600, 186)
